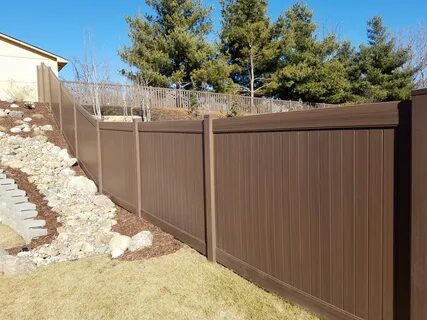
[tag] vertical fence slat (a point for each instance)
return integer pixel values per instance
(138, 166)
(388, 221)
(49, 88)
(38, 83)
(60, 106)
(208, 146)
(75, 131)
(99, 154)
(43, 87)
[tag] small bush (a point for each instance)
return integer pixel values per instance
(233, 111)
(194, 109)
(19, 93)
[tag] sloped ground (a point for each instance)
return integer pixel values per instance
(182, 285)
(127, 224)
(177, 285)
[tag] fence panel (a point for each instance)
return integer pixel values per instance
(87, 143)
(172, 193)
(40, 89)
(119, 176)
(309, 213)
(68, 121)
(46, 84)
(55, 95)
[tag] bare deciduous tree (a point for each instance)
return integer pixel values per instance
(416, 39)
(91, 71)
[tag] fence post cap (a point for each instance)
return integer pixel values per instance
(209, 116)
(419, 92)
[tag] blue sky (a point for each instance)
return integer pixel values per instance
(60, 28)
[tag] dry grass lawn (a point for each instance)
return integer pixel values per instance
(182, 285)
(9, 238)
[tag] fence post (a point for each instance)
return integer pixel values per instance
(50, 89)
(38, 83)
(419, 206)
(76, 140)
(98, 140)
(42, 71)
(60, 104)
(208, 149)
(138, 166)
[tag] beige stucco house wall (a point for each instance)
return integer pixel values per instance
(18, 68)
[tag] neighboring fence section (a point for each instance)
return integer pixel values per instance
(314, 205)
(151, 97)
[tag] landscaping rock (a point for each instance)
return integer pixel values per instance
(10, 265)
(82, 184)
(15, 130)
(102, 200)
(118, 245)
(14, 105)
(27, 119)
(141, 240)
(16, 114)
(68, 172)
(47, 127)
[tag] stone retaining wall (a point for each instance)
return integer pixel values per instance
(17, 212)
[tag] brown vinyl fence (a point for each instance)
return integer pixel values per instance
(324, 207)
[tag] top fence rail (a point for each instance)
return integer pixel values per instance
(141, 96)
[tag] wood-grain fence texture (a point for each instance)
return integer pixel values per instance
(313, 205)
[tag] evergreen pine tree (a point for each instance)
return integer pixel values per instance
(247, 40)
(385, 72)
(170, 48)
(348, 56)
(309, 69)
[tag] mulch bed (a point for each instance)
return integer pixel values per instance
(127, 223)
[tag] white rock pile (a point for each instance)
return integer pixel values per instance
(86, 217)
(120, 243)
(23, 125)
(26, 127)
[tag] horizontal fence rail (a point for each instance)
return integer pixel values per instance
(314, 205)
(127, 96)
